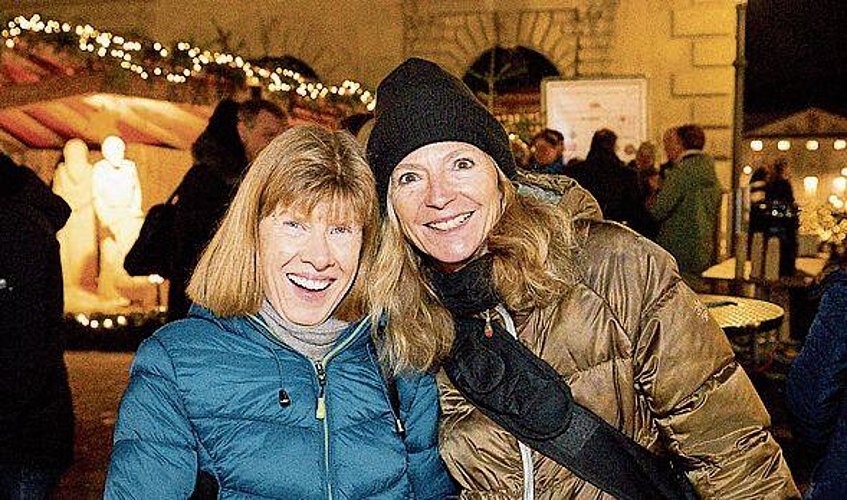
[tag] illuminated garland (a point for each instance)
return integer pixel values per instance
(148, 59)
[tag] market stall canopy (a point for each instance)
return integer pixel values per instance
(47, 98)
(811, 122)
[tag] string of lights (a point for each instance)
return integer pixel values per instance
(149, 59)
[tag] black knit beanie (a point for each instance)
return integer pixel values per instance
(418, 104)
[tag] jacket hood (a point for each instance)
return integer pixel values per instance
(223, 153)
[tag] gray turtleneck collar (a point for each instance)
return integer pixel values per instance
(311, 341)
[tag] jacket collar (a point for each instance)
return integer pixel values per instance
(250, 327)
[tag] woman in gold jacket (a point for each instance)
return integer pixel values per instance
(603, 306)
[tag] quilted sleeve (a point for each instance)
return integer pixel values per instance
(154, 450)
(702, 401)
(817, 383)
(420, 411)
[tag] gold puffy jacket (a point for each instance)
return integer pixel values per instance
(640, 350)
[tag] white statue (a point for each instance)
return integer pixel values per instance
(117, 202)
(78, 239)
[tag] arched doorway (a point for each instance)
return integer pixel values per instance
(508, 82)
(509, 70)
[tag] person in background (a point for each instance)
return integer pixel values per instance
(36, 414)
(271, 387)
(547, 149)
(817, 391)
(614, 186)
(233, 137)
(649, 182)
(670, 143)
(465, 261)
(687, 205)
(778, 185)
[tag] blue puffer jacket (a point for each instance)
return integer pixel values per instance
(224, 395)
(817, 391)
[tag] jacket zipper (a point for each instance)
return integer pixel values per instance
(320, 411)
(320, 373)
(526, 452)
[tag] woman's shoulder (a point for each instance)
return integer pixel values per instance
(610, 256)
(192, 331)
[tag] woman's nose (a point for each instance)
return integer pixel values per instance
(316, 252)
(440, 191)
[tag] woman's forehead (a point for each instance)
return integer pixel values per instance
(441, 150)
(338, 209)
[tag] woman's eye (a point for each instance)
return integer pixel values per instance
(464, 163)
(341, 230)
(407, 178)
(290, 224)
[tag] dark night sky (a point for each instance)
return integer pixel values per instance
(796, 55)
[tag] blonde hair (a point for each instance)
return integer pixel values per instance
(531, 246)
(305, 167)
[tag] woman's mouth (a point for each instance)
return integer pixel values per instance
(452, 223)
(312, 285)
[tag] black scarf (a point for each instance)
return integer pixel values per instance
(491, 368)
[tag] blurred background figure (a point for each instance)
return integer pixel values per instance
(614, 186)
(778, 184)
(233, 137)
(687, 204)
(780, 216)
(817, 391)
(673, 149)
(78, 239)
(117, 203)
(547, 149)
(648, 180)
(36, 415)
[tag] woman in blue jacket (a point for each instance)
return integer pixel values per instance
(817, 390)
(271, 386)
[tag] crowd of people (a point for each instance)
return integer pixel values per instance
(409, 313)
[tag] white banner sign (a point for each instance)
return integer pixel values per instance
(578, 108)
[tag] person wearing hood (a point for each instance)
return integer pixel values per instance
(36, 414)
(233, 137)
(271, 387)
(543, 328)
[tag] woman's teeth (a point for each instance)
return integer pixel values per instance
(452, 223)
(308, 284)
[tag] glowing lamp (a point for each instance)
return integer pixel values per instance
(810, 186)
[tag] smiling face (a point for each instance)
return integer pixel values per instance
(308, 262)
(446, 197)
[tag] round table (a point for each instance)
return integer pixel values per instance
(750, 325)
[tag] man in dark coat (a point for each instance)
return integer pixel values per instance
(36, 415)
(234, 136)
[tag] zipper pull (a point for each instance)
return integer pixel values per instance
(320, 412)
(489, 332)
